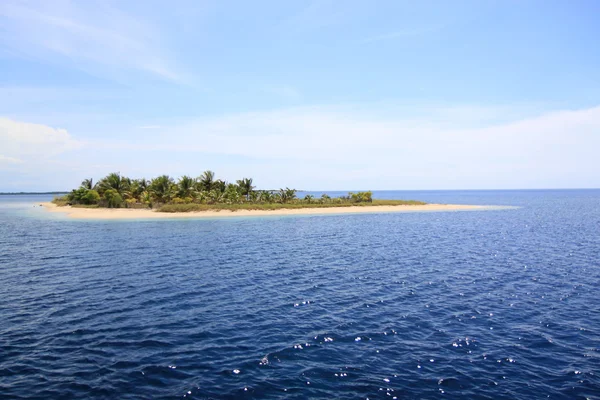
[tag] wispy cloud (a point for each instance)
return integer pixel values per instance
(438, 150)
(337, 148)
(90, 35)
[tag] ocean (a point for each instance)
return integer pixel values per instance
(497, 304)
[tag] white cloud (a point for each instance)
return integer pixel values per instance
(23, 140)
(441, 149)
(339, 148)
(89, 35)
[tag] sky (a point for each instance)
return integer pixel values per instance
(315, 95)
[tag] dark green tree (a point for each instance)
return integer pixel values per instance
(162, 189)
(245, 185)
(206, 180)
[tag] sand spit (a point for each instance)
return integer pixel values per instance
(129, 214)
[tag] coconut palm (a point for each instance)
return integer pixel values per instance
(220, 185)
(214, 196)
(276, 198)
(255, 196)
(146, 198)
(88, 184)
(116, 190)
(245, 185)
(137, 188)
(206, 180)
(162, 188)
(186, 186)
(287, 194)
(232, 194)
(201, 197)
(114, 181)
(266, 196)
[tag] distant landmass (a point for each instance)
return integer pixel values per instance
(30, 193)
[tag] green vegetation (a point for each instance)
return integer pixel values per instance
(173, 208)
(203, 193)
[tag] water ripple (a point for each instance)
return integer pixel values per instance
(495, 304)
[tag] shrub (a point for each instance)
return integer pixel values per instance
(113, 198)
(365, 197)
(62, 200)
(173, 208)
(130, 203)
(361, 197)
(91, 197)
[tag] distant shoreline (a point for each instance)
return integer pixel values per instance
(29, 193)
(133, 214)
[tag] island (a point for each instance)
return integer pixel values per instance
(119, 197)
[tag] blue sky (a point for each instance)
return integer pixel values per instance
(309, 94)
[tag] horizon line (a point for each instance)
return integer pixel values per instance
(352, 190)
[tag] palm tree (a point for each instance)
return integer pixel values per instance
(146, 198)
(186, 186)
(220, 185)
(116, 190)
(116, 182)
(232, 194)
(291, 193)
(214, 196)
(87, 184)
(207, 179)
(266, 196)
(202, 197)
(287, 194)
(137, 188)
(162, 188)
(245, 185)
(255, 196)
(126, 182)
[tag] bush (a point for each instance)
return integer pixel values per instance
(62, 201)
(366, 197)
(83, 196)
(91, 197)
(113, 198)
(173, 208)
(361, 197)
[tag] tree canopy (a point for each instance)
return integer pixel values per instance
(115, 190)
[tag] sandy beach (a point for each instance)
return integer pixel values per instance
(125, 214)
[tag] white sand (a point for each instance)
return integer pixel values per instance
(125, 213)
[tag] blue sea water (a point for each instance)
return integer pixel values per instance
(501, 304)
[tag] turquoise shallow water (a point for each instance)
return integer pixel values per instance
(490, 304)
